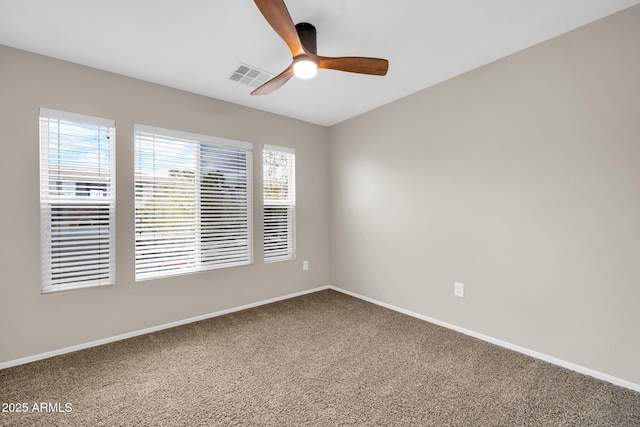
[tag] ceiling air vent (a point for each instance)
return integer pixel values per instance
(250, 76)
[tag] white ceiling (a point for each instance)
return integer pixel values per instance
(195, 45)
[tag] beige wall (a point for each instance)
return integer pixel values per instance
(521, 180)
(31, 323)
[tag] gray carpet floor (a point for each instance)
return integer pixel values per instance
(324, 359)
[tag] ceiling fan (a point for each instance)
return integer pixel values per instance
(301, 39)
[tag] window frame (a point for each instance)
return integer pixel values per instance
(274, 255)
(201, 264)
(68, 198)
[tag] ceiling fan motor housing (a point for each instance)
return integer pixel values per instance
(307, 35)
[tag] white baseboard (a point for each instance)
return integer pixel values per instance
(132, 334)
(568, 365)
(553, 360)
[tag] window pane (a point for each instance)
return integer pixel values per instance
(223, 200)
(278, 170)
(193, 203)
(77, 200)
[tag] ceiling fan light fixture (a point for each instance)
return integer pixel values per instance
(301, 39)
(305, 68)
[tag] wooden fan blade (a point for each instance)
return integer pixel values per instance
(275, 83)
(277, 15)
(355, 64)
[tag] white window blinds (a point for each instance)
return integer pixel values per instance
(77, 200)
(193, 202)
(279, 199)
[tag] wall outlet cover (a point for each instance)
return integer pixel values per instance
(458, 289)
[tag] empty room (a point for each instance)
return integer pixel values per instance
(298, 213)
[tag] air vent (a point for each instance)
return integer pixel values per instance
(250, 76)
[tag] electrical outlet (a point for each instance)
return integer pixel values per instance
(305, 265)
(458, 289)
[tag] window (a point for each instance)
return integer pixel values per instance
(279, 194)
(193, 202)
(77, 200)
